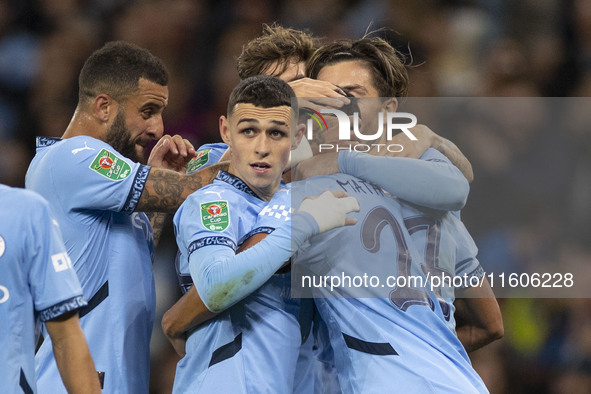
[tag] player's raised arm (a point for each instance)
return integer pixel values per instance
(165, 190)
(427, 138)
(433, 182)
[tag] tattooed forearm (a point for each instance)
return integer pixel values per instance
(453, 153)
(162, 192)
(165, 190)
(158, 219)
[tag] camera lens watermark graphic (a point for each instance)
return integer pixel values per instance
(355, 126)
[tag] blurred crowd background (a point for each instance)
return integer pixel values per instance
(530, 203)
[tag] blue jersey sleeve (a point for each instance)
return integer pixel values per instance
(431, 182)
(207, 155)
(466, 261)
(90, 174)
(193, 228)
(52, 280)
(209, 216)
(209, 226)
(223, 278)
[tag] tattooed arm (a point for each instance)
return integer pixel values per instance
(166, 190)
(170, 153)
(157, 220)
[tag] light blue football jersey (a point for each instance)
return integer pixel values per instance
(37, 283)
(315, 370)
(269, 218)
(446, 250)
(93, 191)
(207, 155)
(276, 212)
(253, 345)
(383, 338)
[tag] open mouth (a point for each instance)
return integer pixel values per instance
(260, 167)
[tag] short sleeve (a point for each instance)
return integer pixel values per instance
(89, 174)
(207, 155)
(53, 282)
(466, 252)
(208, 217)
(434, 155)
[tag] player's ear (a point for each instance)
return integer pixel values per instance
(300, 148)
(104, 108)
(225, 130)
(390, 105)
(297, 135)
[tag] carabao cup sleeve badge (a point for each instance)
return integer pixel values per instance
(198, 161)
(215, 215)
(110, 166)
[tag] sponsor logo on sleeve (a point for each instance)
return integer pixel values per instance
(110, 165)
(198, 161)
(61, 262)
(2, 246)
(215, 215)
